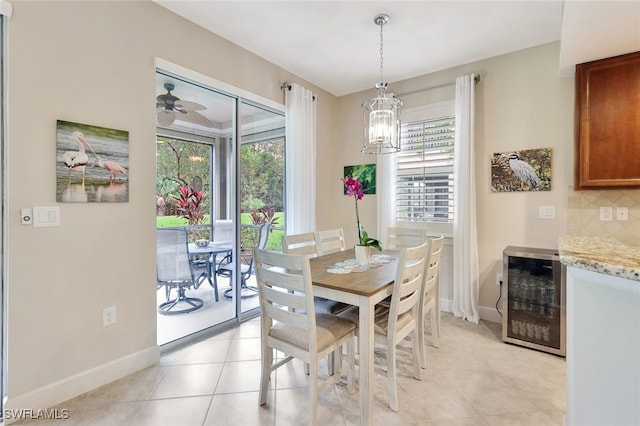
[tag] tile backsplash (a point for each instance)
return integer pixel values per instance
(584, 214)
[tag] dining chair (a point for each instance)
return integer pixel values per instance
(226, 267)
(300, 244)
(430, 297)
(289, 324)
(174, 270)
(400, 319)
(330, 241)
(405, 236)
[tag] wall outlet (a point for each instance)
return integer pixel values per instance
(622, 213)
(499, 278)
(108, 316)
(606, 213)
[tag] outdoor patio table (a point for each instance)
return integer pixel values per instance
(363, 289)
(210, 252)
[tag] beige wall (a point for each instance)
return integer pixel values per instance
(521, 103)
(93, 63)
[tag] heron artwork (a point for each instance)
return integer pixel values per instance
(523, 171)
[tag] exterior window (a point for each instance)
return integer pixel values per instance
(424, 183)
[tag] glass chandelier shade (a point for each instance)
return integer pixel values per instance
(381, 114)
(381, 123)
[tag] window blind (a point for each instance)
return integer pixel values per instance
(424, 185)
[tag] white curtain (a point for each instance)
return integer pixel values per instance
(386, 190)
(300, 113)
(465, 240)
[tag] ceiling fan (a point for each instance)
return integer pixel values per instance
(171, 107)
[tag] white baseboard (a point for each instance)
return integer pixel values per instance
(487, 313)
(70, 387)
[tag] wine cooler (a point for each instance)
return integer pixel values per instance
(533, 293)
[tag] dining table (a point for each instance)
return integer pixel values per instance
(209, 252)
(362, 286)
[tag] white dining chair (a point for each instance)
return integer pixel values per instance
(289, 324)
(300, 244)
(430, 297)
(405, 236)
(400, 319)
(330, 241)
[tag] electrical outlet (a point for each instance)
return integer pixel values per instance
(498, 278)
(622, 213)
(108, 316)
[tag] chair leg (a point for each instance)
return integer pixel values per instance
(421, 341)
(313, 391)
(435, 327)
(391, 375)
(267, 360)
(415, 352)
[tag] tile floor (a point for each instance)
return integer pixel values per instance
(472, 379)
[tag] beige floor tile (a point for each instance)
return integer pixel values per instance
(245, 349)
(527, 419)
(240, 409)
(171, 412)
(241, 376)
(205, 351)
(293, 407)
(189, 380)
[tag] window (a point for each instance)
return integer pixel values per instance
(424, 183)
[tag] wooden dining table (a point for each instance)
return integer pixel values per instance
(362, 289)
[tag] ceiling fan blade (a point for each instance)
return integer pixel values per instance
(191, 106)
(195, 118)
(166, 118)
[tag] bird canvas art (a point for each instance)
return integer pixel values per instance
(525, 170)
(92, 163)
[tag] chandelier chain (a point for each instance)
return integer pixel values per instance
(381, 56)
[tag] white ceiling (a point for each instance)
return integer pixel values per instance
(335, 44)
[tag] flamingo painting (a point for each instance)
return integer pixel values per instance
(78, 160)
(91, 163)
(111, 166)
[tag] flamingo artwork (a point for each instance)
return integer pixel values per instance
(111, 166)
(78, 160)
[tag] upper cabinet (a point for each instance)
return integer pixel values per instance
(607, 123)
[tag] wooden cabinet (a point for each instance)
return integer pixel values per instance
(607, 123)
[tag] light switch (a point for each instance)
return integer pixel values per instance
(606, 213)
(46, 216)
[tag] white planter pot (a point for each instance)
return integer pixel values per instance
(362, 254)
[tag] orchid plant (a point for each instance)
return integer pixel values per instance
(354, 189)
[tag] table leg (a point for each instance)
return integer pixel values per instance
(366, 361)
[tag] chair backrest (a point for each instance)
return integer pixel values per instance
(223, 231)
(432, 274)
(404, 237)
(300, 244)
(330, 241)
(407, 288)
(284, 288)
(173, 263)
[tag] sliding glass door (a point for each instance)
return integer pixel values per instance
(220, 191)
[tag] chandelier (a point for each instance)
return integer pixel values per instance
(382, 113)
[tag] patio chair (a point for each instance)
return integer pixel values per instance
(226, 266)
(289, 324)
(174, 271)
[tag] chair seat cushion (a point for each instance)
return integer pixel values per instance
(330, 328)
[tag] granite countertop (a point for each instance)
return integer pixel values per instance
(603, 255)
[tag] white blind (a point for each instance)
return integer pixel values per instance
(424, 185)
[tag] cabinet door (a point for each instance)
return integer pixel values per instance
(608, 123)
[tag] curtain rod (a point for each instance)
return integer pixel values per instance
(287, 86)
(476, 80)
